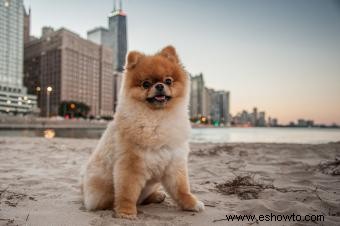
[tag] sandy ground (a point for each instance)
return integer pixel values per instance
(39, 184)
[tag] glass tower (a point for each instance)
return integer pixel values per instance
(13, 95)
(11, 43)
(114, 37)
(117, 27)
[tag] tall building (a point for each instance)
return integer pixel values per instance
(272, 122)
(224, 107)
(219, 109)
(254, 117)
(76, 69)
(305, 123)
(117, 26)
(115, 37)
(27, 25)
(208, 103)
(13, 96)
(261, 119)
(197, 98)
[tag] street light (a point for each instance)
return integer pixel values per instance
(49, 90)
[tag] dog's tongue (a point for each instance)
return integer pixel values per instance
(160, 98)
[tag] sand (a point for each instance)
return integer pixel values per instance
(39, 184)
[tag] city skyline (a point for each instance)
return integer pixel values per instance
(279, 56)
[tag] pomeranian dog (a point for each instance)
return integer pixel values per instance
(146, 145)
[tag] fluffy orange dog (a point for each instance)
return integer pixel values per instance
(147, 143)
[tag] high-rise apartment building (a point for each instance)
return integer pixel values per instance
(208, 103)
(13, 95)
(219, 108)
(224, 107)
(197, 96)
(76, 70)
(261, 119)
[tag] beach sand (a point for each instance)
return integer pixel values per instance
(39, 184)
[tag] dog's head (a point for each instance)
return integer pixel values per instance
(158, 81)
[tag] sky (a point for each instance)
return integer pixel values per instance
(282, 56)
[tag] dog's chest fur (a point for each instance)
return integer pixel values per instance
(157, 161)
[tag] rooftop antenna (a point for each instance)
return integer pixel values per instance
(120, 5)
(114, 5)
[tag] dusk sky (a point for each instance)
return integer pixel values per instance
(280, 56)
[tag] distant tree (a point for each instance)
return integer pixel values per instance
(73, 109)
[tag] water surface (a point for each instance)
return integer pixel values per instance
(214, 135)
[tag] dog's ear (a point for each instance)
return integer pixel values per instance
(133, 59)
(169, 52)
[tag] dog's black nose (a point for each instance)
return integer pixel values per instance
(159, 87)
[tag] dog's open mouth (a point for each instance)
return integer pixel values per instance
(158, 99)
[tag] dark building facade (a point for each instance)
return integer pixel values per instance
(114, 37)
(75, 68)
(27, 25)
(117, 25)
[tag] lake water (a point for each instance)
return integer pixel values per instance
(266, 135)
(214, 135)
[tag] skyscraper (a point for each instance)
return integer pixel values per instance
(27, 25)
(114, 37)
(117, 26)
(13, 95)
(197, 98)
(219, 108)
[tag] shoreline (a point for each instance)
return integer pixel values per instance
(11, 122)
(103, 125)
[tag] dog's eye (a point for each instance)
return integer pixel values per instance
(146, 84)
(168, 81)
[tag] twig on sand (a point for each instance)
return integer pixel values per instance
(9, 221)
(210, 205)
(322, 201)
(223, 219)
(27, 217)
(3, 191)
(317, 195)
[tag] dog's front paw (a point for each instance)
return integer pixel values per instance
(126, 216)
(199, 206)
